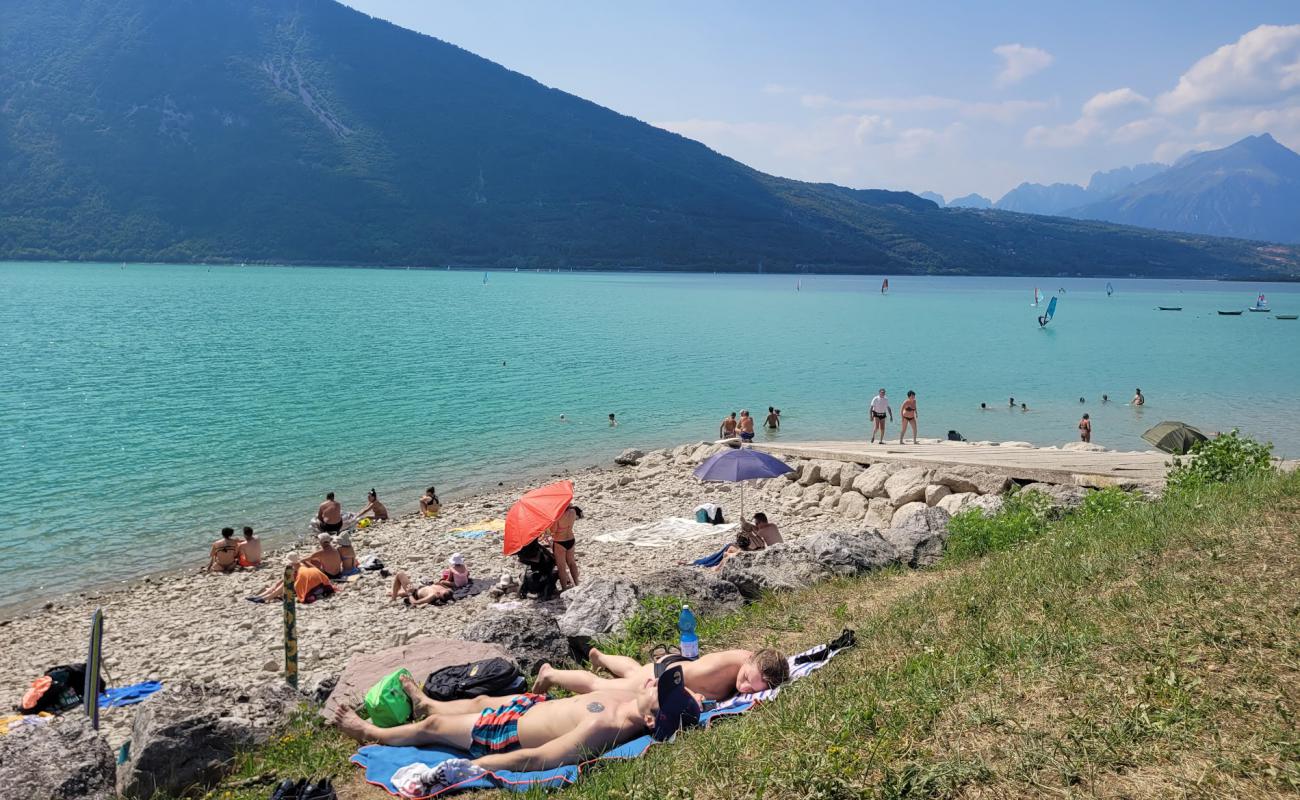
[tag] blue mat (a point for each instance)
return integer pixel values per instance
(711, 560)
(380, 762)
(127, 695)
(472, 534)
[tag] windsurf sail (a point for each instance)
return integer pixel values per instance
(484, 277)
(1037, 297)
(798, 285)
(1051, 310)
(1110, 290)
(1261, 301)
(884, 286)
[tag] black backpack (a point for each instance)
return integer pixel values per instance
(67, 682)
(492, 676)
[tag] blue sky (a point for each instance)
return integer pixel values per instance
(951, 97)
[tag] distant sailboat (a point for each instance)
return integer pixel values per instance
(1261, 304)
(1037, 297)
(1051, 311)
(884, 286)
(485, 278)
(1110, 290)
(798, 285)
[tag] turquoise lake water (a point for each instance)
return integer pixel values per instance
(144, 407)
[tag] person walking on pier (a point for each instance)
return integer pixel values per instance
(879, 409)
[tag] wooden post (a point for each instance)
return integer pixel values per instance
(290, 630)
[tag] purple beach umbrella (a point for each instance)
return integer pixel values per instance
(741, 465)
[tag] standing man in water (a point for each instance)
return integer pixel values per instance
(773, 422)
(727, 430)
(908, 412)
(330, 514)
(880, 408)
(746, 426)
(1138, 399)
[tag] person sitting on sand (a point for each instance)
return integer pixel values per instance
(223, 556)
(347, 555)
(745, 426)
(562, 544)
(1085, 429)
(753, 536)
(714, 676)
(250, 550)
(773, 421)
(330, 515)
(309, 585)
(430, 505)
(327, 558)
(374, 509)
(529, 732)
(727, 430)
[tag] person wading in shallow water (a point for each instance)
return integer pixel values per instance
(1085, 429)
(727, 430)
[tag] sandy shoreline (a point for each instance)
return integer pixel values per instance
(184, 625)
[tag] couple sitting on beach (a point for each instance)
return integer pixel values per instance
(228, 555)
(526, 732)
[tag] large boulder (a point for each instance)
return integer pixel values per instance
(872, 482)
(904, 513)
(63, 759)
(936, 492)
(781, 567)
(812, 495)
(1063, 498)
(988, 504)
(919, 540)
(830, 497)
(597, 607)
(531, 637)
(850, 554)
(701, 588)
(954, 504)
(963, 479)
(629, 457)
(811, 473)
(907, 485)
(792, 491)
(831, 472)
(880, 512)
(182, 739)
(851, 505)
(848, 474)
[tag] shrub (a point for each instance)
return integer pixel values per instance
(1023, 516)
(1223, 459)
(655, 621)
(1105, 502)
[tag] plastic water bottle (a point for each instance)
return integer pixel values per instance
(690, 643)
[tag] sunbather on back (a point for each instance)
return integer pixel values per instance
(715, 676)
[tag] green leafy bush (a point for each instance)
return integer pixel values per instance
(1023, 516)
(1223, 459)
(1105, 502)
(655, 621)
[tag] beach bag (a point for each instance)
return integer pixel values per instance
(58, 689)
(386, 703)
(954, 436)
(491, 676)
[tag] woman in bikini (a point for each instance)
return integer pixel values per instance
(1085, 429)
(908, 412)
(430, 505)
(562, 543)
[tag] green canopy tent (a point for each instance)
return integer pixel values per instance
(1174, 437)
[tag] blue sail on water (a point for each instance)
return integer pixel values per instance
(1051, 309)
(1109, 289)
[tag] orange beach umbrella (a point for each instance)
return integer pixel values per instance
(533, 513)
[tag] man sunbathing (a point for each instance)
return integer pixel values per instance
(715, 676)
(527, 732)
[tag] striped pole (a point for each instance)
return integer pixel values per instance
(290, 630)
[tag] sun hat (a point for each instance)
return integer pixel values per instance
(456, 560)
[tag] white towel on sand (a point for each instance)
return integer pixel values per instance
(666, 533)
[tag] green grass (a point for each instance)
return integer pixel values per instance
(1128, 650)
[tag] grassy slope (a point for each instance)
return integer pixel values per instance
(1149, 652)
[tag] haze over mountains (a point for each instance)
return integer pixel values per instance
(304, 131)
(1250, 189)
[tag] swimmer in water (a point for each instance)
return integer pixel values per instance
(613, 423)
(563, 418)
(1011, 402)
(984, 406)
(1024, 407)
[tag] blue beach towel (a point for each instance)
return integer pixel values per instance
(472, 534)
(711, 560)
(380, 762)
(127, 695)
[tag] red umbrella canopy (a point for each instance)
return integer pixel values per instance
(533, 513)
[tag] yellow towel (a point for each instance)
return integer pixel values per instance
(485, 525)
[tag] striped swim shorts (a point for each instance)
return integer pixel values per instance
(497, 729)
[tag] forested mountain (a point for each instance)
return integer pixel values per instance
(304, 131)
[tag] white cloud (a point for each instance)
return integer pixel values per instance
(1104, 103)
(1000, 111)
(1140, 129)
(1261, 67)
(1019, 62)
(873, 127)
(1171, 151)
(1058, 136)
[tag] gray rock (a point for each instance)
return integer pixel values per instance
(852, 505)
(848, 474)
(781, 567)
(1063, 498)
(872, 482)
(904, 513)
(530, 636)
(907, 485)
(629, 457)
(849, 554)
(182, 739)
(988, 504)
(831, 471)
(880, 512)
(597, 607)
(972, 479)
(813, 494)
(64, 759)
(701, 588)
(792, 491)
(319, 686)
(955, 504)
(936, 492)
(811, 473)
(919, 535)
(830, 497)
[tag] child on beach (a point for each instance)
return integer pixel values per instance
(250, 550)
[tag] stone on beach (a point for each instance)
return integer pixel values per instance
(598, 607)
(871, 483)
(850, 554)
(918, 537)
(811, 473)
(962, 479)
(530, 636)
(936, 492)
(851, 505)
(880, 512)
(64, 759)
(1062, 498)
(703, 590)
(955, 503)
(781, 567)
(907, 485)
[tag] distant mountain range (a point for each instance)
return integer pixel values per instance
(303, 131)
(1250, 190)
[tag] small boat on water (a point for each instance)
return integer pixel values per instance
(884, 286)
(1037, 297)
(1230, 313)
(1110, 290)
(1288, 316)
(1261, 304)
(1170, 308)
